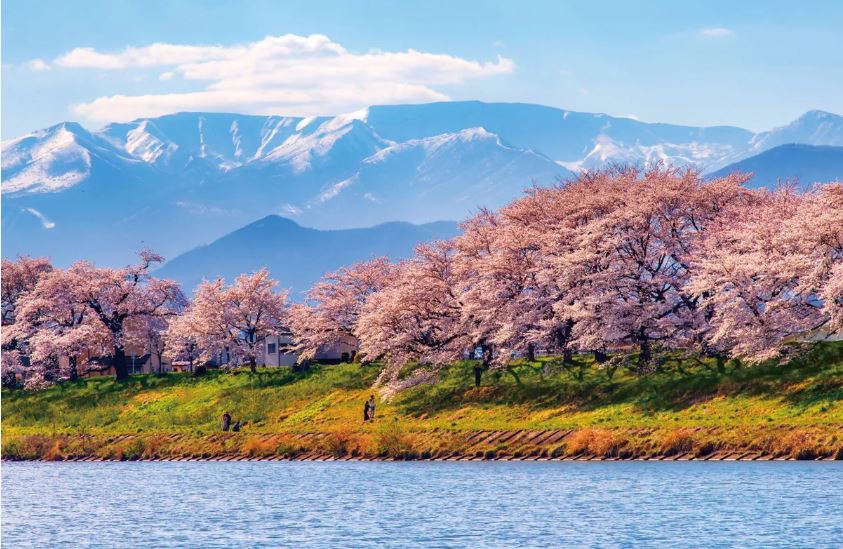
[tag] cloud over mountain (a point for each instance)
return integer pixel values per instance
(278, 74)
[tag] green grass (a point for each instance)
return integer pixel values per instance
(806, 393)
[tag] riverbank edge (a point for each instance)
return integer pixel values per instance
(780, 443)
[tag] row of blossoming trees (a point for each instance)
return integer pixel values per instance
(619, 259)
(57, 319)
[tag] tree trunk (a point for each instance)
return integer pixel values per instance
(253, 365)
(721, 364)
(74, 371)
(646, 354)
(563, 338)
(121, 370)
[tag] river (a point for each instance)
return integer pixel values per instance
(422, 504)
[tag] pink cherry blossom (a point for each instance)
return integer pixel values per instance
(332, 310)
(231, 320)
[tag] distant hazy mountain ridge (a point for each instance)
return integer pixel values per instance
(295, 255)
(805, 164)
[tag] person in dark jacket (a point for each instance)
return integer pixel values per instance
(236, 426)
(366, 412)
(226, 421)
(371, 403)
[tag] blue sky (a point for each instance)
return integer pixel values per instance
(751, 64)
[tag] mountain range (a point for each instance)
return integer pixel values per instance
(185, 180)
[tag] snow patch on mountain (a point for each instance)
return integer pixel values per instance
(431, 145)
(608, 150)
(274, 132)
(45, 161)
(335, 189)
(142, 142)
(349, 139)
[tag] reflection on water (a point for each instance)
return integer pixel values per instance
(475, 504)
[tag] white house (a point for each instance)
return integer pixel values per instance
(277, 350)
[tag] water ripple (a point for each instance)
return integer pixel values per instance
(477, 504)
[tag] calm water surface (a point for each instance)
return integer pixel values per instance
(482, 504)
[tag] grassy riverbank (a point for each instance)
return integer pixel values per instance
(791, 410)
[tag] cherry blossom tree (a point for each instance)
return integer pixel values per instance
(630, 259)
(117, 296)
(415, 318)
(18, 278)
(771, 274)
(148, 334)
(234, 319)
(820, 228)
(539, 234)
(501, 299)
(180, 341)
(55, 322)
(11, 369)
(332, 311)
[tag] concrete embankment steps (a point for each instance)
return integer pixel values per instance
(500, 445)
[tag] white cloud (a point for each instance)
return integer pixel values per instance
(290, 210)
(45, 221)
(715, 32)
(38, 65)
(287, 74)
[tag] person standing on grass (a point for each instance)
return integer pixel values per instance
(366, 412)
(371, 403)
(226, 421)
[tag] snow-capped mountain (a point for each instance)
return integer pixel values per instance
(453, 172)
(182, 180)
(57, 158)
(574, 139)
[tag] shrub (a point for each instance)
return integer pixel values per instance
(54, 452)
(392, 442)
(25, 448)
(796, 444)
(677, 441)
(256, 447)
(337, 443)
(594, 442)
(705, 449)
